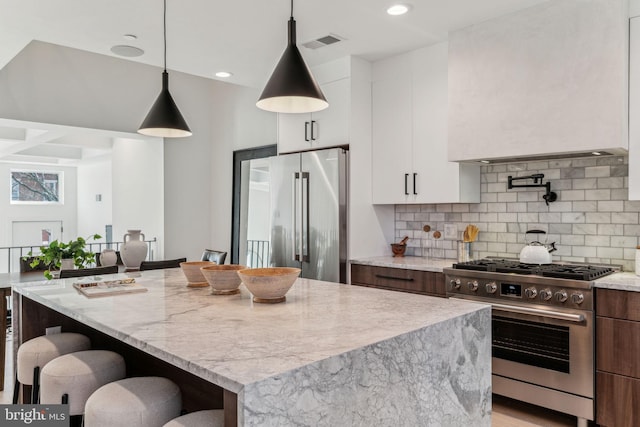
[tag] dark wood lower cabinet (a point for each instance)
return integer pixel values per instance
(617, 358)
(399, 279)
(617, 400)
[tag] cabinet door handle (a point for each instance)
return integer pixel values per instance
(306, 131)
(313, 123)
(404, 279)
(414, 184)
(406, 189)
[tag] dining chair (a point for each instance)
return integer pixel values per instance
(25, 265)
(214, 256)
(157, 265)
(82, 272)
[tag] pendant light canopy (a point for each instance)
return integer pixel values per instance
(164, 118)
(292, 88)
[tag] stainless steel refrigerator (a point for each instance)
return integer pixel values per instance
(309, 213)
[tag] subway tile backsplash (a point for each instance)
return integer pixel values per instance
(592, 220)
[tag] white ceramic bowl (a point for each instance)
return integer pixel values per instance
(223, 279)
(269, 285)
(191, 270)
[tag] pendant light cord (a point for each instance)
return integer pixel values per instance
(165, 33)
(291, 8)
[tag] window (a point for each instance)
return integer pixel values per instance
(36, 187)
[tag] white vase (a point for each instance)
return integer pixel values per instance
(108, 258)
(134, 249)
(67, 264)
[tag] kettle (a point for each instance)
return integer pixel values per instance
(536, 252)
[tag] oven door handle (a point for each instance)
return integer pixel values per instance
(577, 318)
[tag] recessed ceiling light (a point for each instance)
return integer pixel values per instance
(596, 153)
(130, 37)
(398, 9)
(128, 51)
(223, 74)
(484, 161)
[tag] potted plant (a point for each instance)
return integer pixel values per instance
(53, 254)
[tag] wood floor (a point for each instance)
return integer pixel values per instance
(506, 412)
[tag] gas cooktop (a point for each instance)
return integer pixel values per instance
(560, 271)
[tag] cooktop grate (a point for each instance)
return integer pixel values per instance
(558, 271)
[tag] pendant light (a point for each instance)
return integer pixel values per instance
(292, 88)
(164, 118)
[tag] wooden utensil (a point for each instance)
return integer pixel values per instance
(470, 233)
(404, 241)
(473, 234)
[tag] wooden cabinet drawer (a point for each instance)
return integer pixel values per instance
(618, 346)
(398, 279)
(618, 304)
(617, 400)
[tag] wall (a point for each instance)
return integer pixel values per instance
(592, 220)
(54, 84)
(137, 177)
(94, 178)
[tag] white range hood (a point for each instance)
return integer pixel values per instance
(545, 82)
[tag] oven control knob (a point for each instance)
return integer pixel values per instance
(473, 286)
(491, 288)
(455, 283)
(545, 294)
(531, 292)
(561, 296)
(577, 298)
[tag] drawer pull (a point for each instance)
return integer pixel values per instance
(405, 279)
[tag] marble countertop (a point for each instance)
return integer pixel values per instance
(232, 341)
(407, 262)
(623, 281)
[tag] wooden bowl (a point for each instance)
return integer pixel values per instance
(398, 249)
(223, 279)
(269, 285)
(191, 270)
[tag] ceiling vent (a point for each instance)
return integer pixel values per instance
(322, 41)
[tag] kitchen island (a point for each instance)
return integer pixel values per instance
(331, 355)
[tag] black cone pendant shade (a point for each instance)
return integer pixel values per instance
(164, 119)
(292, 88)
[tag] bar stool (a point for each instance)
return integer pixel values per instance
(139, 402)
(37, 352)
(73, 377)
(209, 418)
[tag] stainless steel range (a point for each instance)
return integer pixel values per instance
(542, 329)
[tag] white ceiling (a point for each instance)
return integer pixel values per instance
(244, 37)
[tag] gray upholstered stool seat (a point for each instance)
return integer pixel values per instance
(133, 402)
(78, 375)
(37, 352)
(210, 418)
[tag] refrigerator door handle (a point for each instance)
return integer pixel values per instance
(304, 239)
(294, 214)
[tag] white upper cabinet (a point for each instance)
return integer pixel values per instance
(409, 136)
(326, 128)
(634, 108)
(547, 80)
